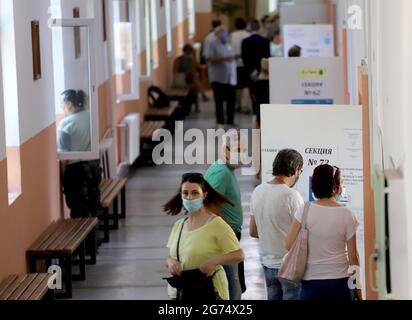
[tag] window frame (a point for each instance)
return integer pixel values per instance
(3, 146)
(93, 154)
(134, 72)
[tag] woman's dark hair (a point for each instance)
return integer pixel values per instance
(287, 162)
(76, 98)
(255, 25)
(213, 199)
(240, 24)
(188, 48)
(216, 23)
(295, 51)
(325, 179)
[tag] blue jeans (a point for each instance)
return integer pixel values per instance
(329, 290)
(232, 275)
(278, 289)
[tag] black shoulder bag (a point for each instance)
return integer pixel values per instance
(192, 285)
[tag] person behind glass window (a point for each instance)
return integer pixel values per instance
(80, 179)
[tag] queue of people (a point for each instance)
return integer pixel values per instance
(207, 239)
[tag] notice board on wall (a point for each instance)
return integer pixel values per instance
(306, 81)
(316, 40)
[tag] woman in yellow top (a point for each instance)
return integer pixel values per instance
(207, 242)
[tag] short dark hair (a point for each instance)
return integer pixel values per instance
(265, 18)
(188, 48)
(240, 24)
(325, 179)
(287, 162)
(216, 23)
(255, 25)
(76, 98)
(295, 51)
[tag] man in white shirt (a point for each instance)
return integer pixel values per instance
(221, 61)
(236, 39)
(274, 204)
(210, 37)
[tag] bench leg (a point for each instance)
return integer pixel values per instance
(92, 247)
(82, 263)
(123, 203)
(115, 217)
(32, 264)
(106, 225)
(67, 278)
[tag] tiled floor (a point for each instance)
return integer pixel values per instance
(132, 265)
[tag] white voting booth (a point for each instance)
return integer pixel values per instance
(306, 80)
(316, 40)
(323, 134)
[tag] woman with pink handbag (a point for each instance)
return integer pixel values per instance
(329, 231)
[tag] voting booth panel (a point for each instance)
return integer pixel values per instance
(323, 135)
(306, 81)
(316, 40)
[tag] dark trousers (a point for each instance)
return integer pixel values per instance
(224, 93)
(241, 268)
(327, 290)
(81, 184)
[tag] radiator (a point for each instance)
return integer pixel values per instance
(130, 140)
(108, 158)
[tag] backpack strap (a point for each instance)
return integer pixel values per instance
(178, 240)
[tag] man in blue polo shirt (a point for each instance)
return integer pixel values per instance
(221, 176)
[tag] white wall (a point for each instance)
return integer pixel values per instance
(203, 5)
(161, 20)
(304, 13)
(356, 42)
(8, 47)
(101, 46)
(36, 107)
(391, 81)
(141, 46)
(2, 129)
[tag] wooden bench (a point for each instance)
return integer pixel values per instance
(62, 240)
(27, 287)
(167, 114)
(177, 93)
(148, 129)
(184, 97)
(111, 190)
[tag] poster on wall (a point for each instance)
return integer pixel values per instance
(306, 81)
(316, 40)
(323, 135)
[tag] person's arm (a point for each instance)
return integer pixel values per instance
(218, 60)
(293, 234)
(64, 142)
(253, 231)
(231, 258)
(174, 266)
(354, 260)
(63, 166)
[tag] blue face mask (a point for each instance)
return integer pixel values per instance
(193, 205)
